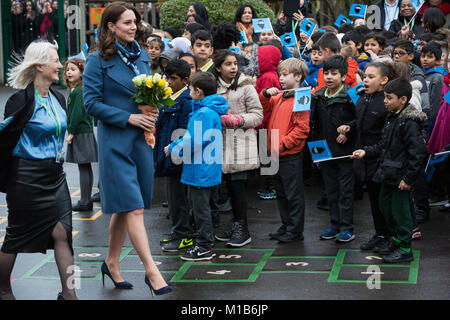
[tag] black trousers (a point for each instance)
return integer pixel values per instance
(238, 195)
(178, 207)
(339, 180)
(290, 195)
(373, 189)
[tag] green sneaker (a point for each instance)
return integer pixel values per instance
(177, 244)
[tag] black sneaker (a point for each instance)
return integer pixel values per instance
(290, 237)
(169, 237)
(323, 204)
(372, 243)
(422, 215)
(398, 255)
(385, 248)
(226, 234)
(276, 235)
(177, 244)
(240, 235)
(198, 254)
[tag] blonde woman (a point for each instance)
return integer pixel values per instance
(31, 149)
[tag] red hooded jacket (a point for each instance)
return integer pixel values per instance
(268, 59)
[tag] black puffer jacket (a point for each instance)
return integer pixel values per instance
(370, 118)
(401, 149)
(330, 114)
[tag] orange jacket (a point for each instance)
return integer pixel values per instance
(293, 126)
(351, 79)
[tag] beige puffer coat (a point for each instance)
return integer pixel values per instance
(240, 145)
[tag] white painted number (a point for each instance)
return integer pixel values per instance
(236, 256)
(89, 255)
(303, 264)
(374, 258)
(219, 272)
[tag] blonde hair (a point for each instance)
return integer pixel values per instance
(23, 70)
(295, 66)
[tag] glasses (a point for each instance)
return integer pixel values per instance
(398, 53)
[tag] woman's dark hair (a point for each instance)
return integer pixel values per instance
(218, 60)
(112, 14)
(224, 35)
(200, 10)
(240, 12)
(433, 19)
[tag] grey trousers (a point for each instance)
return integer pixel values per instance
(201, 209)
(339, 183)
(178, 207)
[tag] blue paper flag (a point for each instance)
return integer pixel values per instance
(447, 97)
(86, 49)
(322, 30)
(96, 34)
(354, 92)
(79, 56)
(319, 150)
(307, 27)
(417, 4)
(288, 39)
(436, 158)
(261, 25)
(342, 19)
(243, 37)
(235, 49)
(5, 122)
(166, 43)
(358, 11)
(302, 100)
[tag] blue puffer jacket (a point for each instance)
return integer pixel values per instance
(170, 119)
(202, 155)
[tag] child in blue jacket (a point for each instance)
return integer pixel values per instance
(201, 151)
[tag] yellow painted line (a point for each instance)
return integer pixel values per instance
(75, 193)
(74, 233)
(2, 239)
(92, 218)
(3, 220)
(3, 205)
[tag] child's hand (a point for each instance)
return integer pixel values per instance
(166, 150)
(358, 154)
(343, 129)
(341, 139)
(404, 186)
(69, 139)
(272, 91)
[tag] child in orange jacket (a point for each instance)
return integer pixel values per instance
(293, 129)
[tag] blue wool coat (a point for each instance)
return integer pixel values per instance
(125, 159)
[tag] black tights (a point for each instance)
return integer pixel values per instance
(64, 260)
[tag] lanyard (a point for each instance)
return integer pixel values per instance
(50, 111)
(387, 11)
(412, 24)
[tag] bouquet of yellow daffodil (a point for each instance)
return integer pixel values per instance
(152, 92)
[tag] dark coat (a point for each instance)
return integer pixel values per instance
(170, 119)
(370, 118)
(330, 115)
(20, 106)
(401, 149)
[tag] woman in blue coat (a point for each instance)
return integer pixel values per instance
(125, 159)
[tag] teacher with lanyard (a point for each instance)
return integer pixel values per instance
(389, 11)
(409, 24)
(31, 156)
(125, 159)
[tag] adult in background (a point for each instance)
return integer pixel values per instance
(37, 195)
(405, 26)
(200, 10)
(125, 159)
(243, 21)
(389, 11)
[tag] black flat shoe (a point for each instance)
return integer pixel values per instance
(82, 207)
(290, 237)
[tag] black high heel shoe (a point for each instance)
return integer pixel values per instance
(158, 292)
(118, 285)
(60, 296)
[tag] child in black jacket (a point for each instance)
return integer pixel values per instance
(334, 120)
(401, 151)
